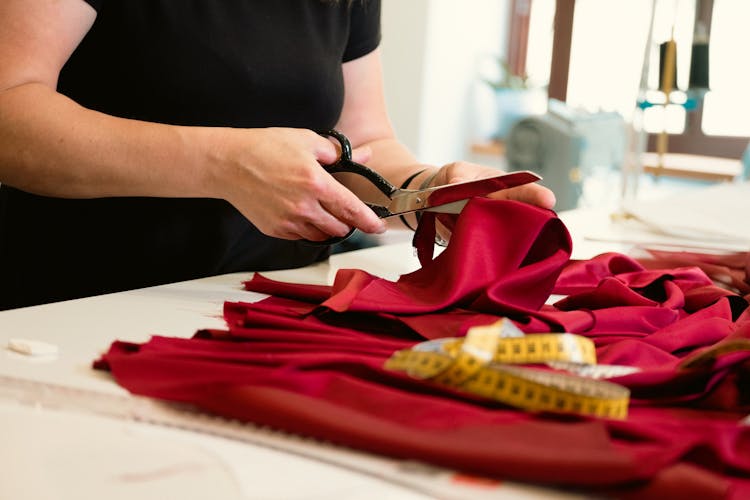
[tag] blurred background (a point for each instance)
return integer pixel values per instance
(605, 98)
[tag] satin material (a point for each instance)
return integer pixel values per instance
(729, 269)
(309, 360)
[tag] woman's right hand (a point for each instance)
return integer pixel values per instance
(273, 176)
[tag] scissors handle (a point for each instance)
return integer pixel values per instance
(346, 164)
(330, 241)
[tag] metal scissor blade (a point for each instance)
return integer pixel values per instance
(436, 198)
(448, 208)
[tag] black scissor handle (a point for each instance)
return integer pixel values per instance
(346, 164)
(330, 241)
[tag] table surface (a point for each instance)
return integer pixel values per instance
(59, 450)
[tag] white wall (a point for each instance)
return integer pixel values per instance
(432, 53)
(404, 25)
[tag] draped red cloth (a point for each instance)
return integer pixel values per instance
(309, 360)
(731, 270)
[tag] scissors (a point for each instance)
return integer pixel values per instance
(449, 198)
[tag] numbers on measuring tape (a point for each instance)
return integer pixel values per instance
(485, 363)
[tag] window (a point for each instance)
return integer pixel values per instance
(598, 59)
(727, 107)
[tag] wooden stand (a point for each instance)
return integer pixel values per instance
(704, 168)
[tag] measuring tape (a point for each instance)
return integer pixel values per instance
(710, 355)
(483, 364)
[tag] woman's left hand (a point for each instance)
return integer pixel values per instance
(461, 171)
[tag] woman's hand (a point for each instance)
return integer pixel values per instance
(452, 173)
(274, 178)
(461, 171)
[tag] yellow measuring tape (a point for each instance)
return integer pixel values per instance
(484, 364)
(710, 355)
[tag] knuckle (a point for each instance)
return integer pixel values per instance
(307, 176)
(298, 211)
(316, 184)
(348, 212)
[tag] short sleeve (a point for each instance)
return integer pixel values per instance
(96, 4)
(364, 28)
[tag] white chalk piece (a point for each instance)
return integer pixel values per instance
(32, 347)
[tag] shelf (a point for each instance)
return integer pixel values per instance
(704, 168)
(490, 148)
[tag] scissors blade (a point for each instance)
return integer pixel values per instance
(451, 198)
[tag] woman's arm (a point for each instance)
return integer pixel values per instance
(50, 145)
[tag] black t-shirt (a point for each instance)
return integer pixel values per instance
(238, 63)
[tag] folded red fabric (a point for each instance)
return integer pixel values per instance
(732, 270)
(310, 360)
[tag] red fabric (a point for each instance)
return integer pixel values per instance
(729, 269)
(497, 268)
(309, 360)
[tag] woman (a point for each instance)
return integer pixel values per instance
(151, 141)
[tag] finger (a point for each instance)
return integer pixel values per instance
(442, 233)
(308, 230)
(362, 154)
(533, 194)
(312, 223)
(328, 225)
(298, 232)
(344, 206)
(311, 232)
(462, 171)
